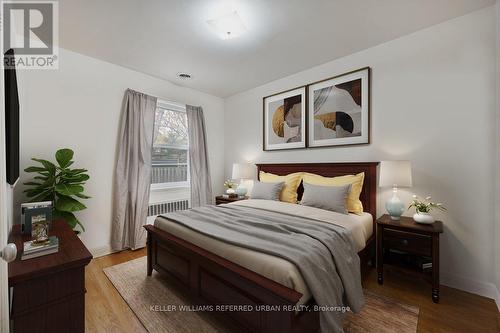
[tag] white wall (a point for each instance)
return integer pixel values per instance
(78, 106)
(433, 97)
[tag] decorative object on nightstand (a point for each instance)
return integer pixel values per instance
(32, 249)
(423, 209)
(242, 172)
(230, 186)
(395, 174)
(410, 245)
(34, 215)
(223, 199)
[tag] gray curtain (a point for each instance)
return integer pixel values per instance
(201, 184)
(133, 171)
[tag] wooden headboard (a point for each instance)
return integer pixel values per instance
(369, 193)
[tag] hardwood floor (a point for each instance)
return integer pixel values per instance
(105, 309)
(457, 311)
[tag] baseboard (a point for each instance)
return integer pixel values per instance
(497, 298)
(485, 289)
(101, 251)
(105, 250)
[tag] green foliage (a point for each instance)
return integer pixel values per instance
(425, 206)
(58, 183)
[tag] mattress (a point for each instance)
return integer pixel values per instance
(274, 268)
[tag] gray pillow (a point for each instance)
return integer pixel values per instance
(326, 197)
(266, 191)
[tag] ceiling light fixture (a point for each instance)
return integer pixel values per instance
(228, 26)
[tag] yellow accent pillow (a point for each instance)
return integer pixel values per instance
(353, 203)
(292, 182)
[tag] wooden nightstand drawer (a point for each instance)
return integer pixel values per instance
(407, 241)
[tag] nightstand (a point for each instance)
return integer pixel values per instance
(48, 293)
(406, 237)
(222, 200)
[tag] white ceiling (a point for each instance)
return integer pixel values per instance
(164, 37)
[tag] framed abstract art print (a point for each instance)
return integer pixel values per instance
(285, 120)
(339, 110)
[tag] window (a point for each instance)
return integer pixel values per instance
(170, 147)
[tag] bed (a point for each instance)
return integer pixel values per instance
(215, 273)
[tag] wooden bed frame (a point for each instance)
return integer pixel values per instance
(212, 280)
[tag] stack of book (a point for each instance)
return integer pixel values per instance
(33, 250)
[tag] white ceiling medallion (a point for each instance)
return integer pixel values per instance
(228, 26)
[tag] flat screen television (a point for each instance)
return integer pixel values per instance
(11, 120)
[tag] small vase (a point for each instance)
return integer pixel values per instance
(423, 218)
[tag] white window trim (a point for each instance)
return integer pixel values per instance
(168, 105)
(173, 106)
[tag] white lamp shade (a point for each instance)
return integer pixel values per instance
(395, 174)
(243, 171)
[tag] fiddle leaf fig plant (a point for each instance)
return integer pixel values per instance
(58, 183)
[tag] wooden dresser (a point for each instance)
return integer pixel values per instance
(47, 293)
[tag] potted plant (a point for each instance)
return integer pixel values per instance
(58, 183)
(423, 209)
(230, 187)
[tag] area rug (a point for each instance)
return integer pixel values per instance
(162, 308)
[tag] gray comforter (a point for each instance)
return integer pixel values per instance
(323, 252)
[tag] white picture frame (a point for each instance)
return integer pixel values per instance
(284, 120)
(339, 110)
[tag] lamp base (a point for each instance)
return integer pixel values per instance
(241, 190)
(395, 207)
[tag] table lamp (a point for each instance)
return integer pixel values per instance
(240, 173)
(395, 174)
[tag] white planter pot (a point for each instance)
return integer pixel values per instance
(424, 218)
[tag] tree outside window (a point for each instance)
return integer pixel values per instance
(170, 147)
